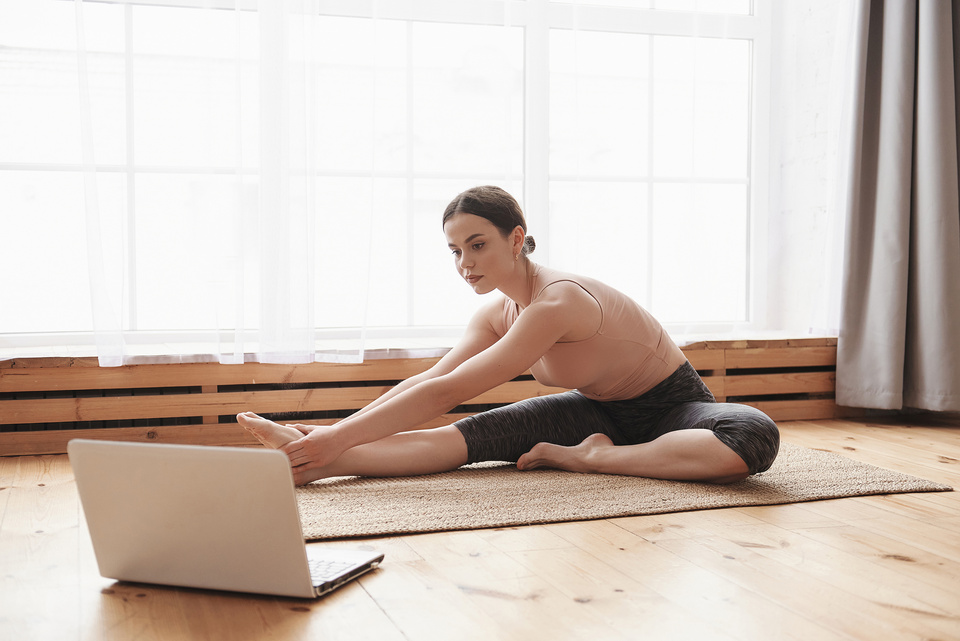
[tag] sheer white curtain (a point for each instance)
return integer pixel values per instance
(216, 223)
(811, 75)
(654, 177)
(265, 180)
(233, 179)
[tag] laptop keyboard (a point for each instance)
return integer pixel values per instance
(322, 570)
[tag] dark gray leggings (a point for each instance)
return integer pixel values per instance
(679, 402)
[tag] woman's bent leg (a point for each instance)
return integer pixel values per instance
(743, 429)
(688, 455)
(694, 441)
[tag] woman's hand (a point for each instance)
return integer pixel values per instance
(322, 445)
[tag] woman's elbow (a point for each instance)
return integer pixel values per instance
(447, 392)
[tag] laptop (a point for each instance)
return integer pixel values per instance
(221, 518)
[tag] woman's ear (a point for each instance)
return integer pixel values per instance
(518, 237)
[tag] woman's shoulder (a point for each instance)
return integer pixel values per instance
(597, 289)
(555, 284)
(497, 315)
(548, 276)
(565, 299)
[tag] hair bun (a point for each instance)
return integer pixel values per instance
(529, 244)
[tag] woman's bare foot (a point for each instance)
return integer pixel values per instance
(267, 432)
(575, 458)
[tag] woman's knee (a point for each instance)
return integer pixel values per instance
(750, 433)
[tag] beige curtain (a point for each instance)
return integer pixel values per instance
(899, 341)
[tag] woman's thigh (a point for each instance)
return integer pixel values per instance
(506, 433)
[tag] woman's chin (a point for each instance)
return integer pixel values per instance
(481, 288)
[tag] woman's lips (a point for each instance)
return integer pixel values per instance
(473, 279)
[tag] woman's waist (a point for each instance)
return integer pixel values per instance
(603, 382)
(682, 385)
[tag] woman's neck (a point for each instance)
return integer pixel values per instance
(520, 289)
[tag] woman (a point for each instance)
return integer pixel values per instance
(639, 408)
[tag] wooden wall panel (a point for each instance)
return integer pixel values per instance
(40, 375)
(46, 402)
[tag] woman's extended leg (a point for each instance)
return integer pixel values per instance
(687, 455)
(406, 454)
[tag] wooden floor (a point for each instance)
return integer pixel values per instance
(876, 568)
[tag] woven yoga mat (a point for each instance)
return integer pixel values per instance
(496, 495)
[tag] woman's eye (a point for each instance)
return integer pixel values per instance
(477, 246)
(456, 252)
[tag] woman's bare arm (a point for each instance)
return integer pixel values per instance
(537, 329)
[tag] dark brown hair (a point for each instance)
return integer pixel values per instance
(495, 205)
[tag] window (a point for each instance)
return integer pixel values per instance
(649, 140)
(627, 130)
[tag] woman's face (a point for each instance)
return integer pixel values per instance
(483, 257)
